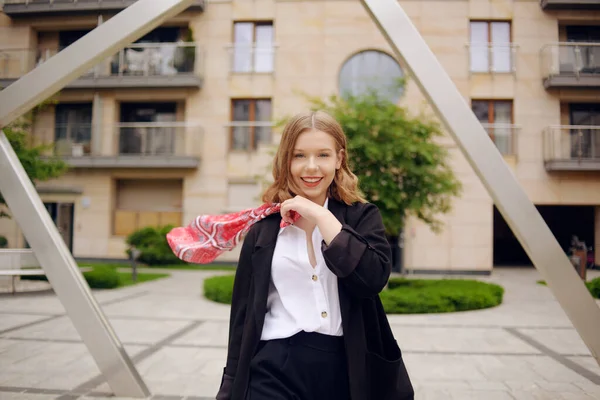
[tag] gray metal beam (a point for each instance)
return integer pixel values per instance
(487, 162)
(27, 207)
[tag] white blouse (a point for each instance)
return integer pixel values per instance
(301, 298)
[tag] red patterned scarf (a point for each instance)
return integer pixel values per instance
(208, 236)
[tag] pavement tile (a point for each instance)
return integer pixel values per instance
(11, 321)
(487, 385)
(459, 394)
(210, 333)
(589, 388)
(460, 340)
(588, 363)
(469, 355)
(576, 396)
(27, 396)
(561, 341)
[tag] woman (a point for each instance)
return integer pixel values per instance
(306, 320)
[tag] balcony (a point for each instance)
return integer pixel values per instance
(246, 59)
(571, 65)
(572, 148)
(504, 137)
(147, 65)
(570, 4)
(35, 8)
(133, 145)
(492, 58)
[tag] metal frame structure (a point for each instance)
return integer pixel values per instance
(27, 207)
(487, 162)
(144, 15)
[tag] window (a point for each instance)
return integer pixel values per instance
(140, 203)
(67, 38)
(73, 129)
(497, 118)
(250, 123)
(583, 54)
(490, 47)
(371, 71)
(253, 47)
(148, 128)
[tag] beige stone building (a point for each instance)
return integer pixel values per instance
(179, 123)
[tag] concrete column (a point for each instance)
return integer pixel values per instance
(97, 124)
(109, 118)
(597, 235)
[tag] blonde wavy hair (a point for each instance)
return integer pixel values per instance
(344, 187)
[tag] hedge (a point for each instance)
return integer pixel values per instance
(97, 278)
(219, 288)
(421, 296)
(106, 277)
(102, 278)
(403, 296)
(594, 287)
(153, 245)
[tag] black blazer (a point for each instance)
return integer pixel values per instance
(360, 257)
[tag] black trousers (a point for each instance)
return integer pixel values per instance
(306, 366)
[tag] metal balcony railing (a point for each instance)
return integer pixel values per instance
(504, 137)
(492, 57)
(144, 59)
(572, 143)
(172, 139)
(570, 59)
(251, 59)
(249, 136)
(158, 139)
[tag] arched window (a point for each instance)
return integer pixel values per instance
(371, 70)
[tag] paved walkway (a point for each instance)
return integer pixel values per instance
(523, 349)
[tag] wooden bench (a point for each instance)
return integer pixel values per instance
(21, 262)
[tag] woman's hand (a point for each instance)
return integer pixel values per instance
(314, 214)
(309, 210)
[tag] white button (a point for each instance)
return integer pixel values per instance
(324, 314)
(314, 278)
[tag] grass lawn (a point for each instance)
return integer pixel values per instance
(103, 273)
(181, 267)
(125, 278)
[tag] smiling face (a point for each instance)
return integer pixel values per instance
(313, 164)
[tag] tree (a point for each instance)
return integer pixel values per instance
(400, 166)
(38, 166)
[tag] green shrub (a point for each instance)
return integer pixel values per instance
(219, 288)
(153, 245)
(594, 287)
(420, 296)
(403, 296)
(102, 278)
(3, 242)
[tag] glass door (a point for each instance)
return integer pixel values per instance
(62, 215)
(585, 141)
